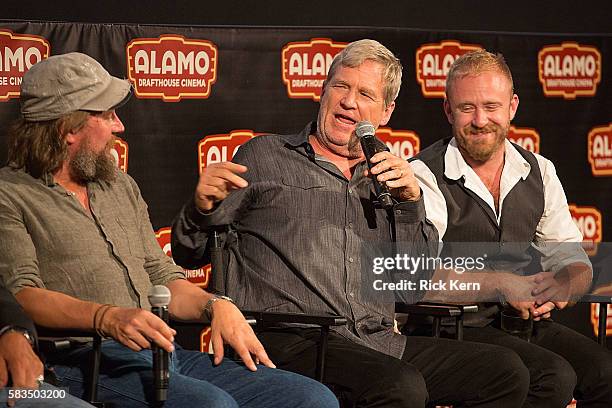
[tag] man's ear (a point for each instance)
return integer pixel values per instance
(514, 103)
(387, 114)
(70, 137)
(448, 111)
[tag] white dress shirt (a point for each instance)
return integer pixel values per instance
(554, 228)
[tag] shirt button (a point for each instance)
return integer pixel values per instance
(352, 294)
(350, 225)
(350, 259)
(350, 190)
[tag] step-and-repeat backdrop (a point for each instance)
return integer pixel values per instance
(200, 92)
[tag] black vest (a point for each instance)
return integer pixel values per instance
(471, 220)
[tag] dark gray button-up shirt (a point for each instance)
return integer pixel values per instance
(301, 227)
(48, 240)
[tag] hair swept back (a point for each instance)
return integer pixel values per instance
(40, 147)
(476, 62)
(357, 52)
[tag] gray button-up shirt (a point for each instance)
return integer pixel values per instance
(300, 228)
(48, 240)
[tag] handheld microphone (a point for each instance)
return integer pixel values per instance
(159, 297)
(370, 146)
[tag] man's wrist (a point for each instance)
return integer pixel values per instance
(17, 329)
(208, 308)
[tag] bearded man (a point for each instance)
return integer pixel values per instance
(479, 188)
(78, 251)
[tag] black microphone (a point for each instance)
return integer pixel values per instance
(159, 297)
(370, 146)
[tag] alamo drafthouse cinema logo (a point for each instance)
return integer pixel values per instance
(402, 143)
(589, 222)
(198, 276)
(527, 138)
(600, 150)
(220, 148)
(433, 62)
(18, 52)
(172, 67)
(120, 153)
(305, 65)
(569, 70)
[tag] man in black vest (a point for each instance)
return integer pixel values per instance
(480, 188)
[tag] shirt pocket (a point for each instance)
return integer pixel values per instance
(130, 237)
(304, 197)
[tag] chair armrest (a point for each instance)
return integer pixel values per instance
(281, 317)
(429, 309)
(594, 298)
(52, 340)
(254, 317)
(435, 309)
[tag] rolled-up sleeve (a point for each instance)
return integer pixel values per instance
(18, 261)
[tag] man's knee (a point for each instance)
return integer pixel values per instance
(562, 381)
(199, 396)
(411, 380)
(565, 376)
(404, 385)
(303, 392)
(604, 371)
(512, 377)
(552, 381)
(596, 384)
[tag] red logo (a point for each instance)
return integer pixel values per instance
(589, 222)
(221, 148)
(600, 150)
(205, 343)
(433, 62)
(172, 67)
(569, 70)
(120, 153)
(198, 276)
(527, 138)
(402, 143)
(18, 52)
(305, 66)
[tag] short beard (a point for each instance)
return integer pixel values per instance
(480, 152)
(354, 147)
(87, 166)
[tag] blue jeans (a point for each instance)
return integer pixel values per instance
(126, 378)
(68, 401)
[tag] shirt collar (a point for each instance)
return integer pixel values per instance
(301, 138)
(48, 179)
(455, 166)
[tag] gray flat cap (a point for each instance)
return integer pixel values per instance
(66, 83)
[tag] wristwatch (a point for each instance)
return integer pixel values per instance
(208, 308)
(17, 329)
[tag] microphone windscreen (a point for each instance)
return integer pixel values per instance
(159, 296)
(364, 128)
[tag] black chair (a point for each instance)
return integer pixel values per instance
(265, 319)
(437, 311)
(261, 320)
(56, 340)
(604, 301)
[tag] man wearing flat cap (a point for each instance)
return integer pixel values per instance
(78, 251)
